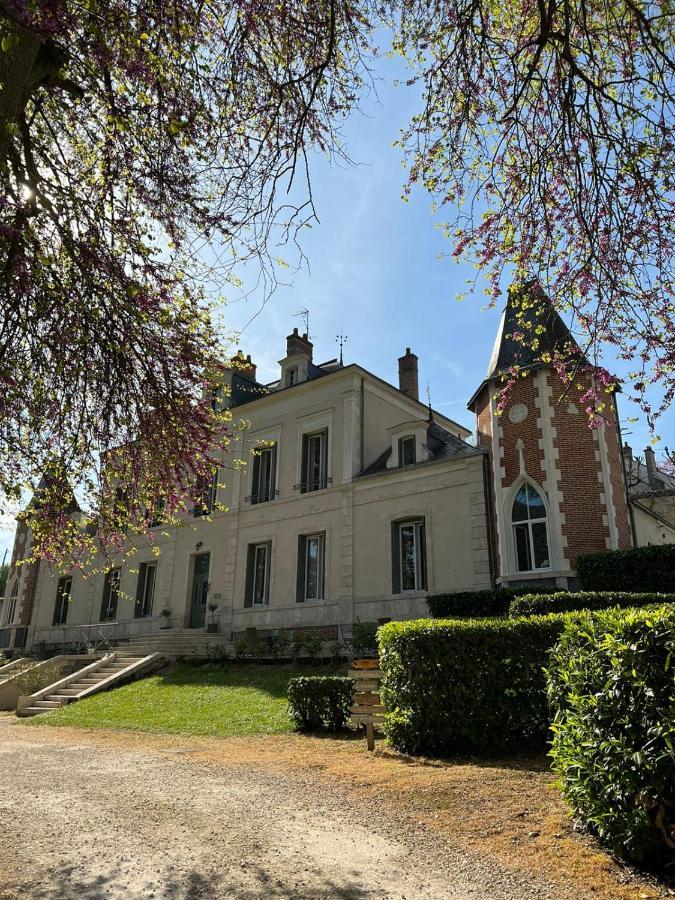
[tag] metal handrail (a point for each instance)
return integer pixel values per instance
(99, 641)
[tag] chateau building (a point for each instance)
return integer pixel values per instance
(358, 502)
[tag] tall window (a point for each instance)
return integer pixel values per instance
(314, 462)
(111, 593)
(145, 590)
(11, 605)
(530, 534)
(206, 494)
(311, 567)
(291, 376)
(407, 451)
(409, 556)
(264, 475)
(63, 592)
(258, 574)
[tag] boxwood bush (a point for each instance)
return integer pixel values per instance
(563, 601)
(611, 685)
(475, 604)
(642, 569)
(467, 686)
(320, 702)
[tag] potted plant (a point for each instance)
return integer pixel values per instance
(213, 625)
(166, 612)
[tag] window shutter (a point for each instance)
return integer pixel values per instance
(302, 550)
(395, 559)
(304, 473)
(273, 473)
(324, 459)
(105, 598)
(140, 590)
(323, 568)
(423, 555)
(250, 567)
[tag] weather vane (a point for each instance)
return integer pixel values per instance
(304, 315)
(341, 339)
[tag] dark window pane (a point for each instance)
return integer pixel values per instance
(260, 583)
(407, 451)
(522, 536)
(536, 506)
(540, 542)
(520, 505)
(312, 577)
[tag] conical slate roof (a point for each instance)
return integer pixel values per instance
(529, 334)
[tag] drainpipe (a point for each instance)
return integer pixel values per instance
(488, 517)
(362, 427)
(631, 513)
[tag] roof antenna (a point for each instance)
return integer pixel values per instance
(304, 315)
(431, 412)
(341, 339)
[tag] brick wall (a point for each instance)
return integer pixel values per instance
(484, 432)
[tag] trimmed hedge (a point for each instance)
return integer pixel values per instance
(476, 604)
(642, 569)
(611, 685)
(563, 601)
(467, 686)
(320, 702)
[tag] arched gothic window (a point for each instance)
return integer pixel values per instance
(10, 612)
(530, 533)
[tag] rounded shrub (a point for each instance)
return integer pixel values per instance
(320, 702)
(611, 685)
(476, 604)
(467, 686)
(564, 601)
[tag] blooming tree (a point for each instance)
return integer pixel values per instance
(148, 148)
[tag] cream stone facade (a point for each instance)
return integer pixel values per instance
(355, 538)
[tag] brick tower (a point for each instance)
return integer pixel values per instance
(557, 487)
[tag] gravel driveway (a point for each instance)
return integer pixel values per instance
(84, 820)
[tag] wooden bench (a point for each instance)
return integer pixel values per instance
(367, 709)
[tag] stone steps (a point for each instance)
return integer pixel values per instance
(115, 669)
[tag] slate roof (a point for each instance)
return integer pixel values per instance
(639, 484)
(441, 444)
(527, 310)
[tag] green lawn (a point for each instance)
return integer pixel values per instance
(212, 699)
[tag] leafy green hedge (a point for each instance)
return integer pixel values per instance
(476, 604)
(320, 702)
(643, 569)
(611, 685)
(467, 686)
(563, 601)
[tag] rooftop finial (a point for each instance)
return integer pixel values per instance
(341, 339)
(431, 412)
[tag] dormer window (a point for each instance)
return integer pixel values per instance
(407, 451)
(292, 376)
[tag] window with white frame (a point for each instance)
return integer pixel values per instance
(314, 462)
(264, 474)
(206, 494)
(258, 574)
(530, 530)
(145, 590)
(311, 567)
(111, 594)
(63, 593)
(409, 556)
(11, 604)
(291, 376)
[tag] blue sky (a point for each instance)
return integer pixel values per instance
(375, 275)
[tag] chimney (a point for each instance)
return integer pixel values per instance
(628, 458)
(244, 366)
(407, 375)
(299, 343)
(652, 471)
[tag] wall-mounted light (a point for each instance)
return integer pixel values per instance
(198, 545)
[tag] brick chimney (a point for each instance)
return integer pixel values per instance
(244, 366)
(299, 343)
(652, 472)
(407, 375)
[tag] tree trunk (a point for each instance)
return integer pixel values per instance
(17, 76)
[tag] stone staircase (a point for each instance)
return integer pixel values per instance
(103, 673)
(172, 643)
